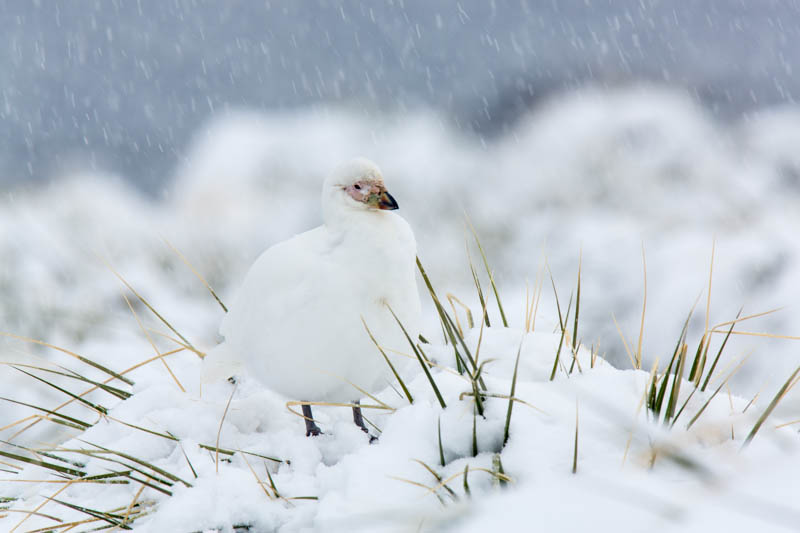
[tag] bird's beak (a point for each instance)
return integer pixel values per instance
(383, 200)
(387, 202)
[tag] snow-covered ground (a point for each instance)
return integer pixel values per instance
(595, 175)
(632, 473)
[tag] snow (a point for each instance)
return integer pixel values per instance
(594, 174)
(360, 487)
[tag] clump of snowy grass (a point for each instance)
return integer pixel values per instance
(454, 376)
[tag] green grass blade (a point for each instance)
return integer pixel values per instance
(474, 433)
(448, 334)
(676, 386)
(678, 414)
(489, 273)
(561, 341)
(388, 362)
(478, 288)
(497, 468)
(114, 391)
(438, 478)
(97, 407)
(114, 520)
(422, 361)
(441, 448)
(50, 466)
(577, 311)
(507, 429)
(703, 408)
(704, 341)
(575, 448)
(136, 460)
(719, 352)
(771, 407)
(74, 422)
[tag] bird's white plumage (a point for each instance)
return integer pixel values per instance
(295, 324)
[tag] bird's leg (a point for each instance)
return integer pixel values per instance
(358, 418)
(311, 427)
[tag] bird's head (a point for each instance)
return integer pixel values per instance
(359, 184)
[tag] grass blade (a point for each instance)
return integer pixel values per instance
(96, 407)
(478, 288)
(448, 334)
(719, 353)
(771, 407)
(563, 334)
(80, 358)
(79, 424)
(50, 466)
(489, 273)
(421, 361)
(575, 449)
(474, 433)
(196, 273)
(441, 448)
(577, 309)
(507, 429)
(388, 362)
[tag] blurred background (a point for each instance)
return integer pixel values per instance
(581, 132)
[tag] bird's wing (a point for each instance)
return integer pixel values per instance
(281, 285)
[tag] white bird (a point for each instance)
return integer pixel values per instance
(296, 323)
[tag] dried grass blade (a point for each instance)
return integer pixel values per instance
(71, 354)
(196, 273)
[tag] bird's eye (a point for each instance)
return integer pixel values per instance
(358, 187)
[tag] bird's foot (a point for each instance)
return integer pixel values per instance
(312, 429)
(358, 419)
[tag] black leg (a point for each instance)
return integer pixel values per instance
(358, 418)
(311, 427)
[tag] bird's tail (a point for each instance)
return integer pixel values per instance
(220, 364)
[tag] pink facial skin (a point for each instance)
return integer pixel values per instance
(361, 189)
